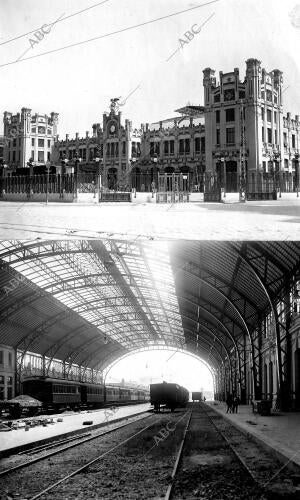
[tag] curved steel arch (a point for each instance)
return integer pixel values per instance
(228, 300)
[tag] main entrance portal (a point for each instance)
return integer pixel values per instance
(173, 188)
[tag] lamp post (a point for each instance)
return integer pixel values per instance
(48, 164)
(77, 161)
(99, 163)
(297, 173)
(223, 166)
(64, 163)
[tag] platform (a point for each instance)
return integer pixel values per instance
(72, 422)
(279, 432)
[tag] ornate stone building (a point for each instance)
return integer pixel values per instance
(113, 147)
(28, 140)
(244, 121)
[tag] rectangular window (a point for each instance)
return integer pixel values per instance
(187, 145)
(41, 143)
(41, 130)
(284, 139)
(293, 141)
(218, 116)
(269, 115)
(181, 146)
(197, 145)
(14, 156)
(123, 148)
(263, 134)
(32, 155)
(48, 142)
(9, 392)
(202, 139)
(32, 142)
(171, 147)
(9, 380)
(1, 358)
(269, 130)
(166, 147)
(275, 132)
(230, 135)
(218, 136)
(48, 155)
(275, 117)
(229, 115)
(14, 143)
(262, 114)
(264, 167)
(41, 157)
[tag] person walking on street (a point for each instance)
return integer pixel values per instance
(229, 402)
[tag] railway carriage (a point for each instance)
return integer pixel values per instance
(92, 395)
(53, 393)
(57, 394)
(170, 395)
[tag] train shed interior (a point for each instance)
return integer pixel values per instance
(71, 308)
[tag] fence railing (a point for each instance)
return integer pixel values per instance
(257, 185)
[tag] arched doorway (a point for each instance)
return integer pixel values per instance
(231, 177)
(185, 178)
(136, 178)
(112, 176)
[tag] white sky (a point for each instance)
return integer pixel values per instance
(79, 82)
(155, 366)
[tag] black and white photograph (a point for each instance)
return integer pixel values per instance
(149, 250)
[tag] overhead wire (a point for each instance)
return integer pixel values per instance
(122, 30)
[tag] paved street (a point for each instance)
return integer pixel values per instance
(272, 220)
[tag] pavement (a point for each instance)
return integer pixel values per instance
(255, 220)
(72, 422)
(279, 432)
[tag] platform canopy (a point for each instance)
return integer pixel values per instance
(91, 302)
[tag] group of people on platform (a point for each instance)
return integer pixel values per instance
(232, 402)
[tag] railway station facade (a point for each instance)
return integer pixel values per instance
(240, 135)
(70, 309)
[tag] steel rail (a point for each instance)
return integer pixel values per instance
(84, 467)
(66, 448)
(236, 453)
(178, 458)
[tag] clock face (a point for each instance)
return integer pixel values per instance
(229, 95)
(112, 129)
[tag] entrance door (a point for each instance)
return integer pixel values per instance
(231, 177)
(173, 188)
(112, 178)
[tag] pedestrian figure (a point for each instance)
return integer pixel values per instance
(229, 402)
(235, 404)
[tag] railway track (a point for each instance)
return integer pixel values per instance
(188, 454)
(50, 491)
(65, 445)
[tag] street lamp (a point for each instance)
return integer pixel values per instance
(77, 161)
(48, 165)
(297, 173)
(99, 162)
(64, 162)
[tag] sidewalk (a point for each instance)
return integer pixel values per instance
(278, 432)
